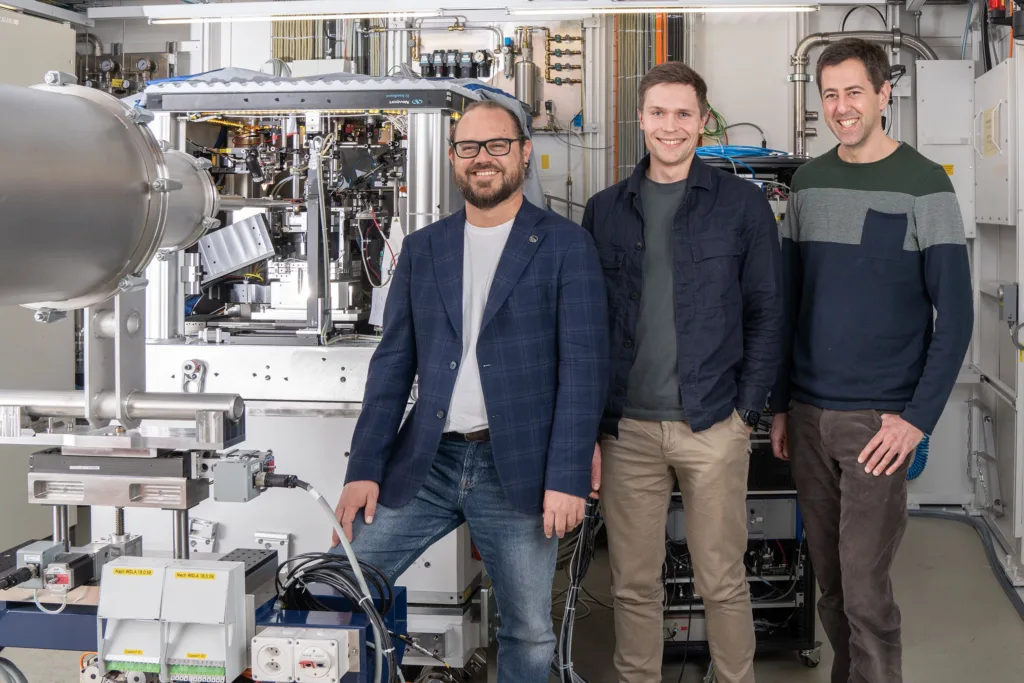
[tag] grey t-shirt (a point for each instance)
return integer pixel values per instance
(653, 392)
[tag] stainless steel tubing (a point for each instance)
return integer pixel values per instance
(141, 406)
(61, 526)
(180, 531)
(234, 202)
(800, 59)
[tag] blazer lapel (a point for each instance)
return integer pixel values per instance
(522, 244)
(448, 246)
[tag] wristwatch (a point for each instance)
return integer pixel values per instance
(750, 417)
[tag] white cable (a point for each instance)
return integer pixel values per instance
(63, 604)
(378, 655)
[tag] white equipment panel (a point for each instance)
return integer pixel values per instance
(945, 110)
(995, 144)
(185, 617)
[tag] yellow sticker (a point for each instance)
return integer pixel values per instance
(116, 82)
(194, 655)
(200, 576)
(991, 125)
(948, 168)
(133, 653)
(545, 161)
(121, 571)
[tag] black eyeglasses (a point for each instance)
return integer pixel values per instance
(496, 147)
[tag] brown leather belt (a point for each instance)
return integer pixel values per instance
(481, 435)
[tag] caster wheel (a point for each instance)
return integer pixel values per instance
(810, 658)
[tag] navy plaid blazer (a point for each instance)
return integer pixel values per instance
(542, 352)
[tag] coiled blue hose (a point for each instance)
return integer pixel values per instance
(920, 460)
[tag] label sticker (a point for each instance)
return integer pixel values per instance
(199, 576)
(121, 571)
(948, 168)
(133, 653)
(194, 655)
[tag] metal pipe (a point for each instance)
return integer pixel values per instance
(61, 526)
(800, 59)
(141, 405)
(97, 46)
(180, 532)
(234, 203)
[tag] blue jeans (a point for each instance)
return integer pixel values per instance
(462, 487)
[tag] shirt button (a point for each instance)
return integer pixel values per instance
(639, 246)
(453, 365)
(627, 343)
(440, 414)
(635, 296)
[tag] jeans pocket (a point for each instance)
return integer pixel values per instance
(883, 235)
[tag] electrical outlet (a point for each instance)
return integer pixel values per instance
(283, 654)
(314, 662)
(272, 659)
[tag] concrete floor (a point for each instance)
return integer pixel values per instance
(957, 624)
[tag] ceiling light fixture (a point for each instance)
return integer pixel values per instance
(663, 9)
(295, 17)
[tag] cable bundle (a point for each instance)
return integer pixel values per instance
(578, 566)
(335, 571)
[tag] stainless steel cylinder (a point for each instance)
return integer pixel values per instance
(526, 74)
(88, 196)
(180, 530)
(141, 406)
(193, 206)
(79, 211)
(61, 526)
(428, 149)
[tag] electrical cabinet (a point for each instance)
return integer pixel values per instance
(994, 129)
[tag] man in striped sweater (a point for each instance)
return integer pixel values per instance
(879, 316)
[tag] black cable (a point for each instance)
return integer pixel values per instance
(881, 16)
(989, 543)
(15, 578)
(985, 43)
(578, 566)
(296, 574)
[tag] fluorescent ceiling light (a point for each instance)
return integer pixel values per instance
(664, 9)
(296, 17)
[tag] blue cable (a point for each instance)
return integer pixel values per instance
(920, 460)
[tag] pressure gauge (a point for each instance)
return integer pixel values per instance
(479, 56)
(107, 65)
(144, 65)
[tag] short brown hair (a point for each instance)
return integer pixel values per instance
(679, 74)
(872, 56)
(491, 104)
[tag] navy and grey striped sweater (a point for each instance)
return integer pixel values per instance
(869, 250)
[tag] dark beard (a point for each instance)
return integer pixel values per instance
(509, 185)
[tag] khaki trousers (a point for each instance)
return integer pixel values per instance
(637, 474)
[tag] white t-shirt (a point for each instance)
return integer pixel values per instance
(482, 251)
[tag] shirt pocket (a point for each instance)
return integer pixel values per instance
(717, 266)
(883, 236)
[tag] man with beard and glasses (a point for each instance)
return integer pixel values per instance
(500, 310)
